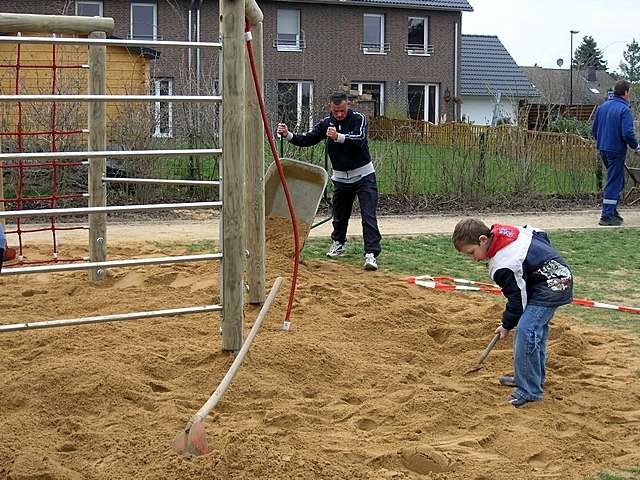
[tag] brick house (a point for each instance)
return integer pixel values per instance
(404, 53)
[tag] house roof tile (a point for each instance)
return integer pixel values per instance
(455, 5)
(589, 88)
(487, 68)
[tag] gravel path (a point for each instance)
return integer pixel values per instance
(206, 229)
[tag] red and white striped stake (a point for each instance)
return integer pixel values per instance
(436, 283)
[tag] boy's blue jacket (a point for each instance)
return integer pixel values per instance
(528, 270)
(613, 126)
(3, 239)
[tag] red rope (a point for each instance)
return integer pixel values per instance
(35, 230)
(54, 147)
(48, 132)
(19, 190)
(44, 198)
(53, 260)
(272, 145)
(41, 66)
(46, 164)
(54, 134)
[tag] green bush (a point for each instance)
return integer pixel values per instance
(571, 125)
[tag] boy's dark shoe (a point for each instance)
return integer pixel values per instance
(507, 380)
(517, 401)
(618, 216)
(610, 221)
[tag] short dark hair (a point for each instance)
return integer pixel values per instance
(621, 87)
(468, 232)
(338, 97)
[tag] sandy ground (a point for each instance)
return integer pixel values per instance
(369, 383)
(206, 227)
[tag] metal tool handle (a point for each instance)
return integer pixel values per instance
(486, 351)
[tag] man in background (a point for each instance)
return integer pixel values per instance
(613, 131)
(345, 131)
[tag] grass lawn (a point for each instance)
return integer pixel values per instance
(420, 168)
(605, 263)
(627, 474)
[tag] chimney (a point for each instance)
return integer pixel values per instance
(591, 74)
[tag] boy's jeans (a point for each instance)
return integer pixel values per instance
(530, 351)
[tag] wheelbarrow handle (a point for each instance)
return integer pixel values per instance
(486, 351)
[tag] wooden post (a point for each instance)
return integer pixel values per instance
(233, 158)
(2, 207)
(254, 170)
(97, 116)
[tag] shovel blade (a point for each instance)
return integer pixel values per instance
(473, 369)
(192, 440)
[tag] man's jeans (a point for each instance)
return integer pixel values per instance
(530, 351)
(614, 162)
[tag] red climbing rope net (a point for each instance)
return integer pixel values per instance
(21, 197)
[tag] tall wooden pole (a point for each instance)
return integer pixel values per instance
(2, 207)
(233, 158)
(254, 169)
(97, 116)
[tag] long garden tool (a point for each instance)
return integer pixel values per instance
(484, 354)
(192, 440)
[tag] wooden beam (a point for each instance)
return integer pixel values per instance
(23, 22)
(233, 158)
(253, 12)
(97, 116)
(254, 169)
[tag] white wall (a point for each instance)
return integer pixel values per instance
(479, 109)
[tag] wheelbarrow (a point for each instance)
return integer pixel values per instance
(306, 183)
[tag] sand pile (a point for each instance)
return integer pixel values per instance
(368, 384)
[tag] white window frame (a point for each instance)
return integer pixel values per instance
(155, 18)
(425, 107)
(424, 51)
(289, 48)
(91, 2)
(381, 49)
(381, 84)
(157, 88)
(299, 99)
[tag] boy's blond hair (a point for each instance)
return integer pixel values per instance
(468, 231)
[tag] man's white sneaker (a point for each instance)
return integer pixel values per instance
(336, 249)
(370, 262)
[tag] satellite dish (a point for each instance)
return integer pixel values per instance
(559, 62)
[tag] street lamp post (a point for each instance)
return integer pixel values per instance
(573, 32)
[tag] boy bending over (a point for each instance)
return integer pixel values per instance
(535, 279)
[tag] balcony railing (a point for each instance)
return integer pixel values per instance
(290, 44)
(374, 48)
(418, 49)
(137, 36)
